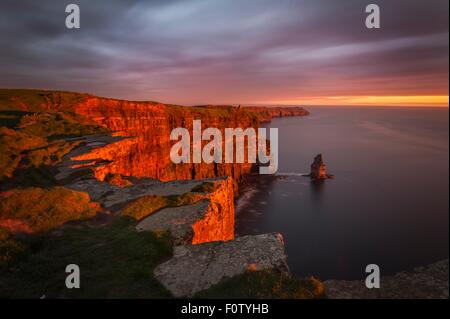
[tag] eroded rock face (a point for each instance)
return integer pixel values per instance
(147, 154)
(80, 175)
(218, 222)
(319, 169)
(196, 267)
(210, 219)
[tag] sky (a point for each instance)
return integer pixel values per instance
(290, 52)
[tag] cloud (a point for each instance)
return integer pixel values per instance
(201, 51)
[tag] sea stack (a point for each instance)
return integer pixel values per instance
(319, 169)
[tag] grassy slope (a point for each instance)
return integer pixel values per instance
(265, 284)
(38, 209)
(31, 144)
(115, 262)
(37, 100)
(147, 205)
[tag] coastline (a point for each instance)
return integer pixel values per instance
(192, 224)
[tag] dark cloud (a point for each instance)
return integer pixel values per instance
(226, 51)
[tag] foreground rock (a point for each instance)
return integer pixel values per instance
(196, 267)
(429, 282)
(319, 169)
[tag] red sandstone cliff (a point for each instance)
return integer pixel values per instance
(149, 124)
(218, 222)
(148, 152)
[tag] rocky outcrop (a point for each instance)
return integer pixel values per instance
(319, 169)
(80, 175)
(429, 282)
(210, 219)
(265, 114)
(197, 267)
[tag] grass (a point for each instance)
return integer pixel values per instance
(147, 205)
(35, 143)
(37, 209)
(115, 262)
(206, 187)
(10, 249)
(58, 125)
(38, 100)
(265, 284)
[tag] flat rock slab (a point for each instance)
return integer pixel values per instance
(114, 197)
(197, 267)
(177, 220)
(78, 175)
(429, 282)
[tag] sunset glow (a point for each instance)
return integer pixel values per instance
(232, 52)
(412, 101)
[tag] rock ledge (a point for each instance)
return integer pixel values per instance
(196, 267)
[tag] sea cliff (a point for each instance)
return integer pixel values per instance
(148, 124)
(116, 153)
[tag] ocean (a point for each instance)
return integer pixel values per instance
(388, 204)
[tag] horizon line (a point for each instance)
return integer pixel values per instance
(411, 101)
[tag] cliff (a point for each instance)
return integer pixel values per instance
(209, 219)
(118, 157)
(150, 124)
(265, 114)
(147, 153)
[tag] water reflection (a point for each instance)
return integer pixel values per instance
(317, 188)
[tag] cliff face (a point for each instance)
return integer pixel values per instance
(209, 219)
(147, 152)
(218, 222)
(265, 114)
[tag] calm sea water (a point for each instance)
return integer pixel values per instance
(388, 204)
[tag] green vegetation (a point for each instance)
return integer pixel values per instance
(32, 144)
(37, 209)
(10, 249)
(38, 100)
(206, 187)
(146, 205)
(265, 284)
(115, 262)
(58, 125)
